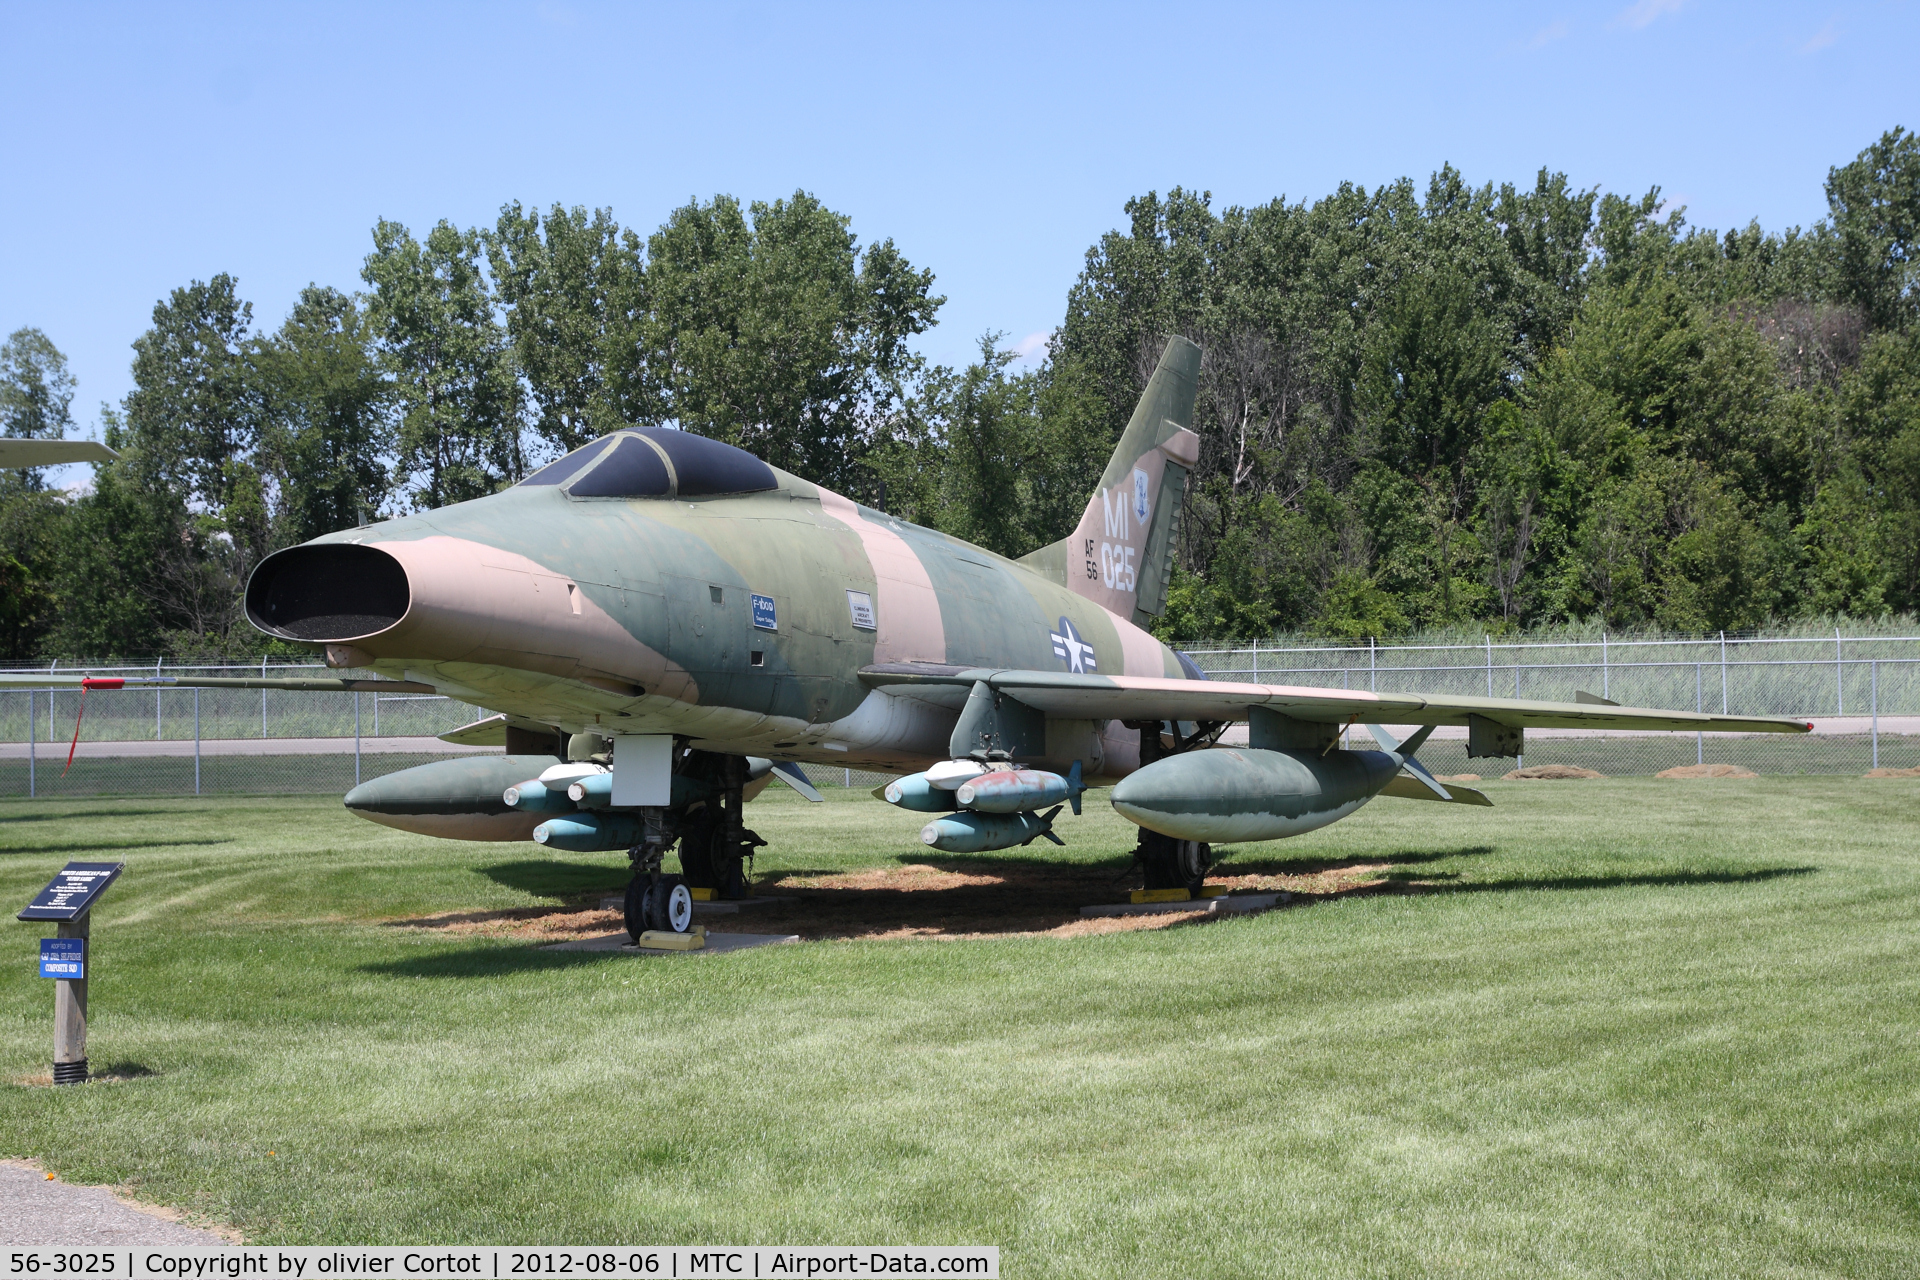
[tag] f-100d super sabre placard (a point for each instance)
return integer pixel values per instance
(70, 895)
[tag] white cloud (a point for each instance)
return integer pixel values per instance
(1034, 345)
(1822, 38)
(1644, 13)
(1548, 34)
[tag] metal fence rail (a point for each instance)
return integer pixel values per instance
(1863, 691)
(1836, 681)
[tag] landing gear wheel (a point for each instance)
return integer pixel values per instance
(665, 907)
(1173, 864)
(678, 907)
(636, 907)
(708, 861)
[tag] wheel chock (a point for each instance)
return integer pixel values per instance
(694, 939)
(702, 895)
(1213, 891)
(1159, 895)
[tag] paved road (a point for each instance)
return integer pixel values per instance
(34, 1211)
(57, 751)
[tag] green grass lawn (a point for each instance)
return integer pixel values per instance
(1619, 1028)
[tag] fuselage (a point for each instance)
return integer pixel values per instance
(740, 622)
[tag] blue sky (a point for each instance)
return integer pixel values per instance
(154, 144)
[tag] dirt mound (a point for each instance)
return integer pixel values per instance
(1550, 773)
(1706, 771)
(1893, 773)
(1458, 777)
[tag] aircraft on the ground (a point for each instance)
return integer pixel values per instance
(657, 617)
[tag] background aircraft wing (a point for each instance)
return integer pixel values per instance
(1092, 697)
(51, 453)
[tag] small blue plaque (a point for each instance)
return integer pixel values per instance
(63, 958)
(763, 617)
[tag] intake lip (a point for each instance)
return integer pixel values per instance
(328, 592)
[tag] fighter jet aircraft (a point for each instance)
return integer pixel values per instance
(657, 617)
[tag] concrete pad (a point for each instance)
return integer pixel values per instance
(704, 908)
(716, 943)
(1233, 904)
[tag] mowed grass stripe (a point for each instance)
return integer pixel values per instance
(1612, 1028)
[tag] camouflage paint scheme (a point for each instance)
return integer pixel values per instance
(634, 615)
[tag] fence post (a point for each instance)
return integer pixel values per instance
(1876, 713)
(1839, 686)
(156, 702)
(356, 737)
(1605, 690)
(1699, 738)
(196, 742)
(1723, 672)
(33, 745)
(1370, 670)
(263, 698)
(1489, 666)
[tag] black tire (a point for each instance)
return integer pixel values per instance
(1173, 864)
(636, 907)
(709, 864)
(653, 906)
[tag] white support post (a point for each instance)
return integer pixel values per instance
(356, 738)
(156, 702)
(1489, 666)
(1876, 713)
(1371, 688)
(263, 699)
(196, 742)
(1839, 685)
(1699, 739)
(1606, 690)
(1723, 672)
(33, 745)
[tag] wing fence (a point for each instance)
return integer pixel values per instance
(1862, 692)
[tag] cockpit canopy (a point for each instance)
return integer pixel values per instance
(652, 462)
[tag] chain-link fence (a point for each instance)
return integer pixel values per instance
(230, 741)
(1862, 692)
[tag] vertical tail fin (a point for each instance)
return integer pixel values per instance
(1121, 555)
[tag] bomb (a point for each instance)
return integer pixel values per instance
(589, 832)
(1019, 790)
(915, 792)
(983, 832)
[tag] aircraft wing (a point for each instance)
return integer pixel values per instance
(1092, 697)
(51, 453)
(301, 684)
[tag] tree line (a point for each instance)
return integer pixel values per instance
(1506, 406)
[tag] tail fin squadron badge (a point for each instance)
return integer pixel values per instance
(1067, 644)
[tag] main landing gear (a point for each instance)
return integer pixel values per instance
(1165, 862)
(714, 844)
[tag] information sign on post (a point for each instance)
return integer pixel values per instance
(68, 900)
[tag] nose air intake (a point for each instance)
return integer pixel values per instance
(327, 592)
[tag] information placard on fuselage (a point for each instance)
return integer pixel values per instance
(72, 893)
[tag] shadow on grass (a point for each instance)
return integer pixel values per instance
(1656, 880)
(8, 819)
(550, 878)
(491, 962)
(102, 846)
(1227, 861)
